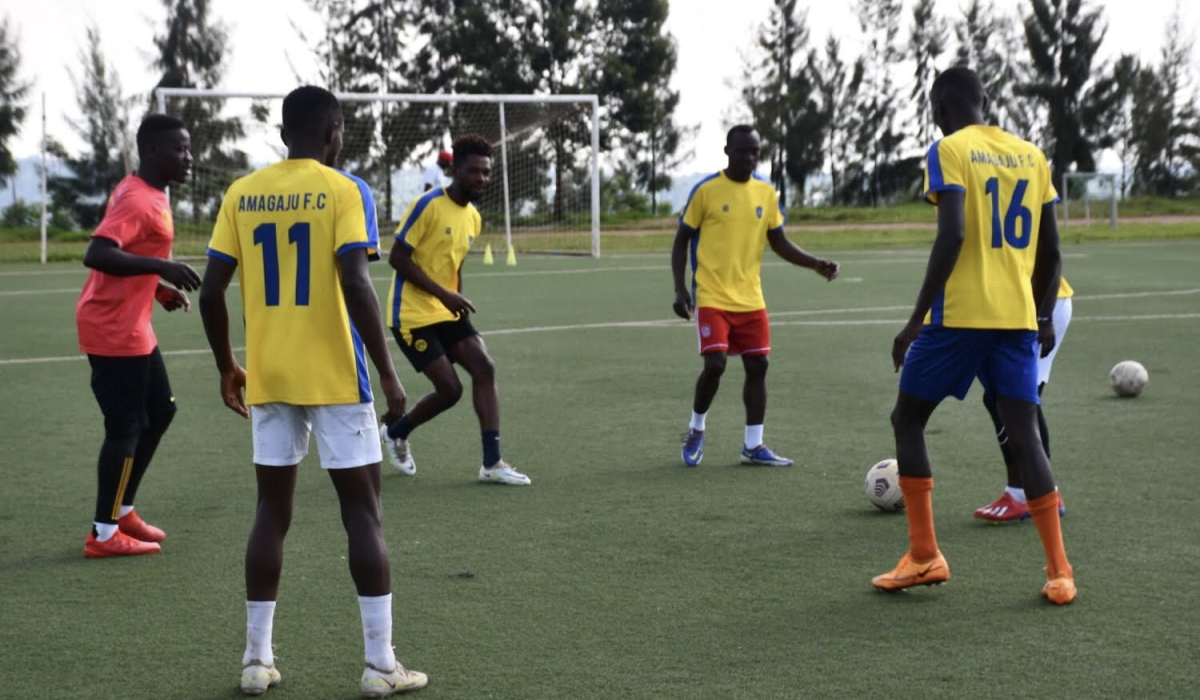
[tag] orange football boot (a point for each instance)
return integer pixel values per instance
(910, 573)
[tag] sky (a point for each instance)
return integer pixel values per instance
(266, 53)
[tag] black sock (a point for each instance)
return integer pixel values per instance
(401, 429)
(491, 447)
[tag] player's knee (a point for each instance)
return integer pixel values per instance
(161, 418)
(484, 369)
(902, 423)
(450, 392)
(714, 365)
(756, 365)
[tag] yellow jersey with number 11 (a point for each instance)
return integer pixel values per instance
(1005, 182)
(285, 226)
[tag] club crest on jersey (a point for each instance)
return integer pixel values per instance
(420, 345)
(705, 331)
(447, 230)
(725, 208)
(758, 212)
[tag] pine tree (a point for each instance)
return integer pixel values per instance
(927, 41)
(837, 87)
(191, 53)
(13, 91)
(1126, 71)
(878, 139)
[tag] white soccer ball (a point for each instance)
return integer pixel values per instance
(1128, 378)
(883, 486)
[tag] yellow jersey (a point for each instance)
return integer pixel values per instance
(1006, 182)
(439, 233)
(284, 226)
(1064, 290)
(729, 222)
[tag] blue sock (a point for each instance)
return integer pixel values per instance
(491, 447)
(400, 429)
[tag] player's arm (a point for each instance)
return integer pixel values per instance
(104, 254)
(215, 315)
(679, 254)
(796, 255)
(1047, 273)
(401, 261)
(363, 307)
(946, 247)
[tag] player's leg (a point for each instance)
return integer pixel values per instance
(750, 337)
(424, 350)
(160, 411)
(466, 348)
(280, 437)
(348, 442)
(1011, 372)
(119, 384)
(1010, 507)
(712, 331)
(941, 362)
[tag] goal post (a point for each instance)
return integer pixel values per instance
(545, 189)
(1086, 190)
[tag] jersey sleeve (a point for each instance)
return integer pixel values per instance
(693, 212)
(414, 224)
(356, 226)
(944, 172)
(224, 244)
(1049, 193)
(126, 219)
(777, 217)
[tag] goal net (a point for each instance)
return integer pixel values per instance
(544, 194)
(1089, 198)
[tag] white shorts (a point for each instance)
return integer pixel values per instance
(1062, 319)
(347, 434)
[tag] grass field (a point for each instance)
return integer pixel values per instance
(620, 573)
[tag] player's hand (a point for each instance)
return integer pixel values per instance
(180, 275)
(902, 341)
(827, 269)
(1046, 336)
(397, 400)
(233, 391)
(456, 303)
(683, 305)
(172, 299)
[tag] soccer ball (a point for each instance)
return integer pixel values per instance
(1128, 378)
(883, 486)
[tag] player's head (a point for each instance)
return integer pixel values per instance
(957, 99)
(164, 148)
(312, 124)
(445, 159)
(742, 145)
(472, 165)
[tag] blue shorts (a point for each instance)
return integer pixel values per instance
(943, 362)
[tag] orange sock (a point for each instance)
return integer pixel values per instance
(1045, 516)
(918, 506)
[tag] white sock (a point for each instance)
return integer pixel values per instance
(1017, 494)
(698, 421)
(104, 531)
(754, 436)
(260, 616)
(377, 630)
(126, 510)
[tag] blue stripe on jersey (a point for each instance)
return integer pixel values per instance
(399, 289)
(356, 246)
(691, 194)
(937, 180)
(368, 201)
(222, 256)
(695, 263)
(360, 365)
(938, 309)
(416, 214)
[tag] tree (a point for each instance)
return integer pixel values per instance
(927, 41)
(1063, 37)
(1126, 72)
(837, 86)
(191, 53)
(1168, 132)
(104, 127)
(987, 43)
(632, 76)
(12, 95)
(878, 140)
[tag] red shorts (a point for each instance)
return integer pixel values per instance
(733, 332)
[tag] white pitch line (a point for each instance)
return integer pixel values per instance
(659, 323)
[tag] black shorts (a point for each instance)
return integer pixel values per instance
(132, 392)
(425, 344)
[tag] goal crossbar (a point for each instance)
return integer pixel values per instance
(593, 101)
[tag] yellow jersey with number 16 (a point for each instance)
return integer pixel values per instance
(285, 226)
(1005, 182)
